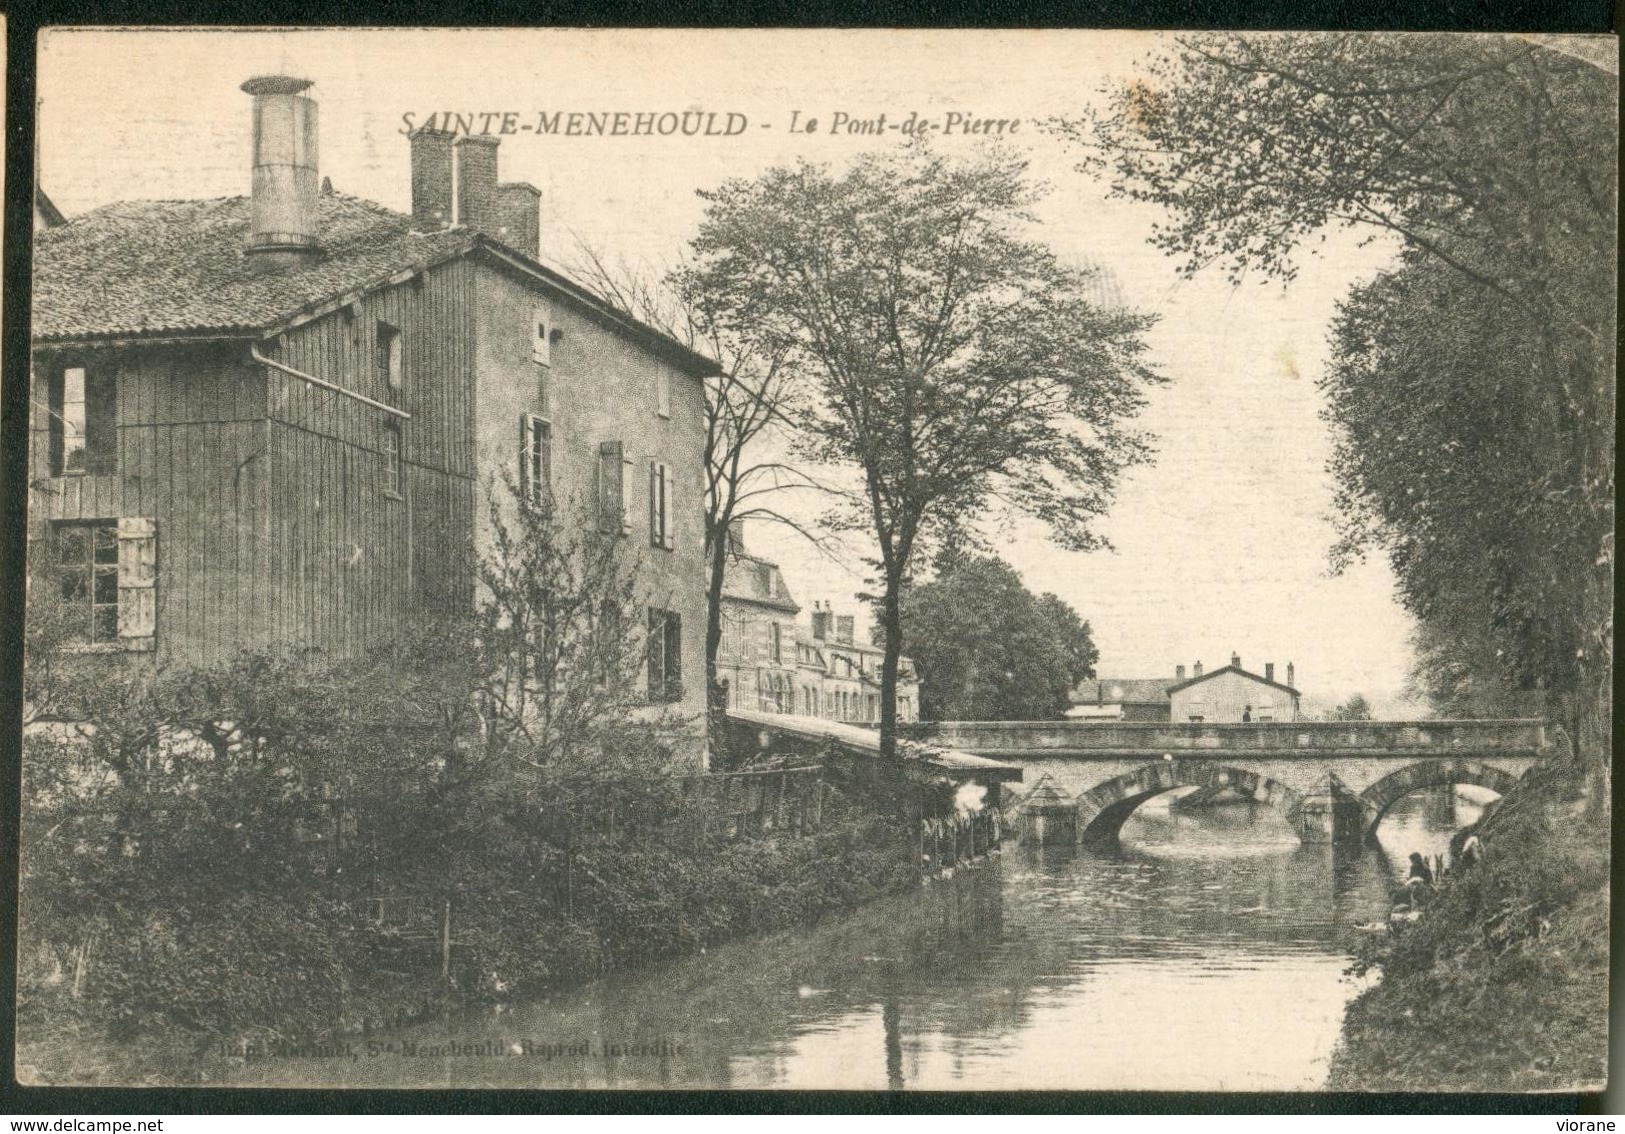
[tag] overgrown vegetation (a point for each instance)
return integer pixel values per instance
(280, 848)
(1502, 985)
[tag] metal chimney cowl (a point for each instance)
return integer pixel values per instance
(282, 226)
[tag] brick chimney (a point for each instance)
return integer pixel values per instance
(1235, 660)
(282, 207)
(1179, 673)
(843, 628)
(1197, 670)
(519, 217)
(820, 623)
(1269, 671)
(476, 157)
(1289, 679)
(432, 205)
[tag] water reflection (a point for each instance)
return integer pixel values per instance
(1206, 954)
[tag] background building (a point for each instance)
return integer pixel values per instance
(1120, 699)
(1226, 695)
(771, 663)
(1231, 694)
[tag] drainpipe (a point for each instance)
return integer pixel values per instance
(254, 352)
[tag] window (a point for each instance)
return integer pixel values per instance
(106, 572)
(535, 459)
(660, 533)
(777, 638)
(663, 391)
(614, 488)
(541, 334)
(394, 479)
(665, 655)
(82, 434)
(389, 355)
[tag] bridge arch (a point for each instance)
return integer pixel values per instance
(1380, 796)
(1104, 808)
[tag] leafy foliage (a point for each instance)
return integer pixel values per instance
(1472, 385)
(988, 649)
(955, 361)
(274, 847)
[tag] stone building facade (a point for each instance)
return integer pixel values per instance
(771, 662)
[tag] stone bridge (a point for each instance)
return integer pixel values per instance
(1331, 780)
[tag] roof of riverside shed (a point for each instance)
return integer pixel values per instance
(139, 269)
(1121, 690)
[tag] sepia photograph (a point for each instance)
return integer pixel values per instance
(806, 559)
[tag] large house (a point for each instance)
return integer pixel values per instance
(268, 422)
(1228, 695)
(769, 662)
(1231, 694)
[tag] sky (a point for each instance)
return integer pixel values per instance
(1220, 546)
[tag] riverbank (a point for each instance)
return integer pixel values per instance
(149, 1017)
(1502, 984)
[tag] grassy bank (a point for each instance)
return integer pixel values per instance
(1502, 985)
(184, 977)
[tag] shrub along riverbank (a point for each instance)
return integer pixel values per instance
(178, 969)
(1502, 984)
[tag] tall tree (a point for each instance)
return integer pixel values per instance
(988, 649)
(1493, 161)
(956, 360)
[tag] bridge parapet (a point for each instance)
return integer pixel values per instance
(1281, 739)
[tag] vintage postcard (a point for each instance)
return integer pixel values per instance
(819, 559)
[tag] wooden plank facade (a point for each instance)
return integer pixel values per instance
(253, 446)
(268, 494)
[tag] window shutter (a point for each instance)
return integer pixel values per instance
(628, 482)
(657, 654)
(667, 528)
(611, 490)
(654, 504)
(524, 456)
(138, 583)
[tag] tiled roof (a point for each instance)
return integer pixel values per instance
(150, 267)
(156, 268)
(750, 579)
(1122, 690)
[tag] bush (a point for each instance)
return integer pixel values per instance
(1501, 985)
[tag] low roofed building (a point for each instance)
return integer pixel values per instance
(1228, 695)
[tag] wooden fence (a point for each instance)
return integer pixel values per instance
(954, 840)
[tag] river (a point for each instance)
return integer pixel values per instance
(1208, 954)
